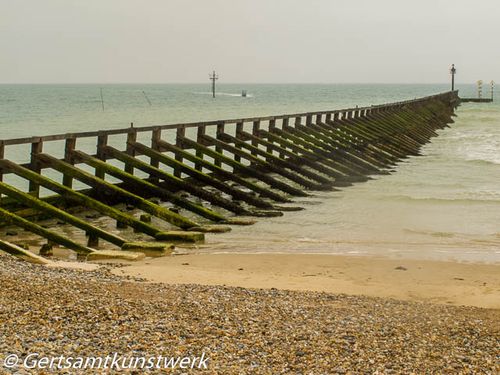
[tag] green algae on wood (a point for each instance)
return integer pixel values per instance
(23, 254)
(180, 236)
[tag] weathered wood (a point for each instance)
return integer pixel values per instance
(220, 130)
(181, 132)
(115, 254)
(68, 149)
(277, 165)
(308, 157)
(139, 202)
(294, 158)
(155, 137)
(243, 169)
(451, 98)
(221, 175)
(256, 163)
(80, 198)
(177, 183)
(311, 150)
(18, 221)
(131, 138)
(36, 148)
(178, 236)
(102, 142)
(329, 166)
(144, 185)
(148, 248)
(34, 202)
(21, 253)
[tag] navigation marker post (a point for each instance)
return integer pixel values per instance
(453, 71)
(213, 78)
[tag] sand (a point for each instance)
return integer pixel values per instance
(412, 280)
(77, 313)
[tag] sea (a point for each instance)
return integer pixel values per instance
(442, 205)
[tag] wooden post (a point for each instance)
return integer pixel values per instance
(93, 240)
(255, 131)
(2, 156)
(68, 158)
(36, 148)
(220, 131)
(154, 162)
(309, 119)
(155, 138)
(181, 133)
(102, 142)
(239, 130)
(298, 120)
(199, 138)
(131, 139)
(272, 125)
(284, 125)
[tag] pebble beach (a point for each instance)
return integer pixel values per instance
(59, 311)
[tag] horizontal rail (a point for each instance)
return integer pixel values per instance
(65, 136)
(246, 172)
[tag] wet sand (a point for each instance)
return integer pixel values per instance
(412, 280)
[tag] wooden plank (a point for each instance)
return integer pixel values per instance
(102, 142)
(36, 148)
(178, 183)
(131, 139)
(68, 149)
(80, 198)
(18, 221)
(223, 175)
(139, 202)
(42, 206)
(145, 186)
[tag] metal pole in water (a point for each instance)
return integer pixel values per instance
(453, 71)
(149, 101)
(213, 78)
(102, 100)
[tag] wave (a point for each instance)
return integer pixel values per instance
(431, 233)
(440, 200)
(484, 161)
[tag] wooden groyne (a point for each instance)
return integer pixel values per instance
(222, 172)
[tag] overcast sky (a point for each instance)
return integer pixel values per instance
(275, 41)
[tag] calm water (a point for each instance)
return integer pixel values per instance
(442, 205)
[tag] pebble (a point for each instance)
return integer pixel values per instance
(242, 331)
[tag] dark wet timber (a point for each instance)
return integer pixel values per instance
(222, 173)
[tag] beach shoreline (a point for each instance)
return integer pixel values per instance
(239, 330)
(441, 282)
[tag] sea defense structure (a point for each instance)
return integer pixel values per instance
(175, 183)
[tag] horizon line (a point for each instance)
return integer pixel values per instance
(232, 83)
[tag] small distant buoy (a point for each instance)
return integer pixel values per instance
(244, 93)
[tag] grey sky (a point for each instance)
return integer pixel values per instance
(158, 41)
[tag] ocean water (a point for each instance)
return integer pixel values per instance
(442, 205)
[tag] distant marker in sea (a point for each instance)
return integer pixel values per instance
(147, 99)
(213, 77)
(102, 100)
